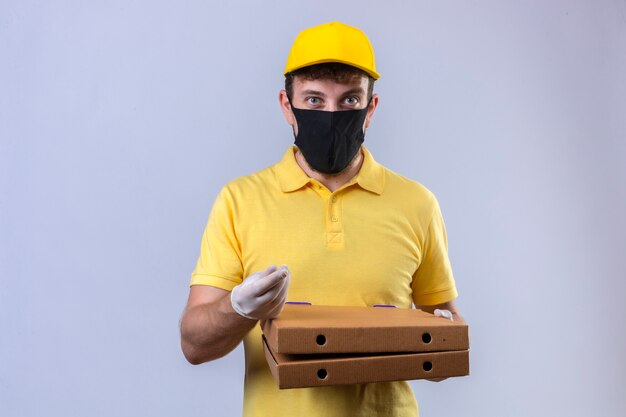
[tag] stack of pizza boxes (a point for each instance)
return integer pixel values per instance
(314, 346)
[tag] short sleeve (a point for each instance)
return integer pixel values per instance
(433, 282)
(219, 264)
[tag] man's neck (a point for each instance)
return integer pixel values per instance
(335, 181)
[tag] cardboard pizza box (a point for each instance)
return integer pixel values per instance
(310, 329)
(301, 371)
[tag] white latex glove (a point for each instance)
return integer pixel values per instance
(447, 315)
(261, 295)
(443, 313)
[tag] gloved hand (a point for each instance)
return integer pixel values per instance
(443, 313)
(448, 315)
(262, 295)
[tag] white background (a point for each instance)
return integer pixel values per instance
(121, 120)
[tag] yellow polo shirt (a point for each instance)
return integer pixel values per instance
(379, 239)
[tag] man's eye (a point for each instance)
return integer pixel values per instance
(352, 100)
(313, 100)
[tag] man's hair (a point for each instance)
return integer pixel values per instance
(339, 73)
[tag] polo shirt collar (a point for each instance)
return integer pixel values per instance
(371, 176)
(289, 174)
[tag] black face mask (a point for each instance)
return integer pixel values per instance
(329, 140)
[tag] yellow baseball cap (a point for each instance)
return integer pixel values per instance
(332, 42)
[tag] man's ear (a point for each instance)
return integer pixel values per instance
(371, 109)
(285, 106)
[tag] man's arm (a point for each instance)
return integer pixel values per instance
(210, 327)
(450, 306)
(216, 320)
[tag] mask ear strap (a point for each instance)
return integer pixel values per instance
(293, 129)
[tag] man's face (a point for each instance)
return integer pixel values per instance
(328, 95)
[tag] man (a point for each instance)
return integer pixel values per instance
(344, 229)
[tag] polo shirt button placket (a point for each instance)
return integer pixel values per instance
(334, 231)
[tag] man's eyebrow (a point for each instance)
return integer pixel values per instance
(356, 90)
(313, 93)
